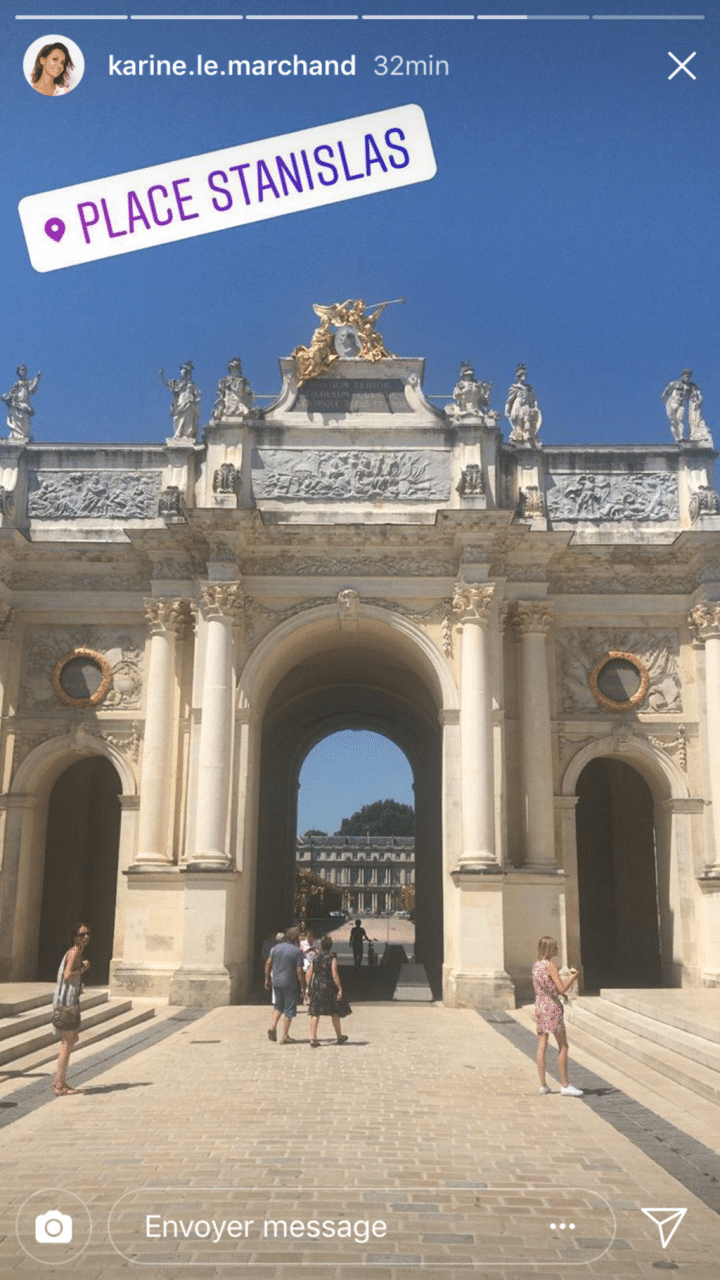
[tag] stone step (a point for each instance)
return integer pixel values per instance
(106, 1042)
(41, 1045)
(16, 997)
(689, 1045)
(696, 1010)
(703, 1080)
(18, 1024)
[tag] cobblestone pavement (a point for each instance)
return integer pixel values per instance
(428, 1121)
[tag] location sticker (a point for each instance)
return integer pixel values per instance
(264, 178)
(55, 229)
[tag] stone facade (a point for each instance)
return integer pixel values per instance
(537, 628)
(370, 872)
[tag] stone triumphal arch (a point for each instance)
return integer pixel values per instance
(536, 627)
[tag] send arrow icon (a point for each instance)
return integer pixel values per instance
(667, 1222)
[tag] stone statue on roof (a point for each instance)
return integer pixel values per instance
(522, 410)
(185, 407)
(18, 401)
(233, 398)
(471, 398)
(683, 395)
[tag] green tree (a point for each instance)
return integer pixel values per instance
(312, 832)
(381, 818)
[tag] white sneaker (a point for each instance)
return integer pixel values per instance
(571, 1092)
(544, 1089)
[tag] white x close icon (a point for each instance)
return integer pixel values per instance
(681, 66)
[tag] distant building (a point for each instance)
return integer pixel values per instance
(370, 870)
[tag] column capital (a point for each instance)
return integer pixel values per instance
(704, 620)
(166, 616)
(473, 602)
(532, 616)
(221, 599)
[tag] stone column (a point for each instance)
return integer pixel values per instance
(473, 605)
(166, 618)
(6, 620)
(20, 886)
(704, 620)
(565, 812)
(218, 606)
(532, 620)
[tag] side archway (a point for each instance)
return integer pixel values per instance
(623, 865)
(62, 851)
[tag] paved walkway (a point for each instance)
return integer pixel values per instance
(420, 1148)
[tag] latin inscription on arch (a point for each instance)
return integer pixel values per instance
(352, 395)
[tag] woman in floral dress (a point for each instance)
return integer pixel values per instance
(549, 1014)
(325, 992)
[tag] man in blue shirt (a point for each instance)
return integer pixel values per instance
(284, 973)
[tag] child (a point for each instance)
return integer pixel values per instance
(310, 950)
(549, 1015)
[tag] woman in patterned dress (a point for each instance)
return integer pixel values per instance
(66, 1005)
(325, 989)
(549, 1015)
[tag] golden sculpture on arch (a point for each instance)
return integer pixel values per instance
(355, 337)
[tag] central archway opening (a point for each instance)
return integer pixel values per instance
(356, 856)
(81, 863)
(351, 687)
(617, 877)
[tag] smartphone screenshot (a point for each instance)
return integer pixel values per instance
(359, 640)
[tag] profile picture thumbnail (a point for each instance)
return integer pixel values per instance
(53, 65)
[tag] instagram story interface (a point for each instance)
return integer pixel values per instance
(360, 642)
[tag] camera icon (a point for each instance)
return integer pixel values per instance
(53, 1227)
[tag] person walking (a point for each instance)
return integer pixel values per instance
(267, 946)
(325, 992)
(310, 948)
(357, 937)
(284, 973)
(549, 1013)
(66, 1005)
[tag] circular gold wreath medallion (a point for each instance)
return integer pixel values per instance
(81, 678)
(619, 680)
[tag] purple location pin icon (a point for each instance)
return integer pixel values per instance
(55, 229)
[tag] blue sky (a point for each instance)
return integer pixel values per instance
(346, 771)
(572, 224)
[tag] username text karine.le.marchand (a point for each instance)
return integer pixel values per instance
(200, 66)
(382, 65)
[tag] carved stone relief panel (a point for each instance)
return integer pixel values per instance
(362, 566)
(124, 740)
(580, 650)
(352, 475)
(609, 495)
(97, 495)
(44, 647)
(674, 744)
(49, 578)
(617, 581)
